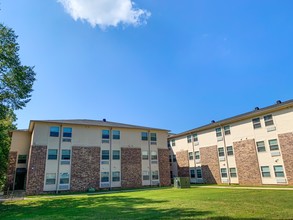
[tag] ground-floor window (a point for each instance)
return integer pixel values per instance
(224, 172)
(64, 178)
(279, 172)
(192, 173)
(198, 173)
(116, 176)
(155, 175)
(145, 175)
(50, 178)
(104, 177)
(233, 172)
(265, 171)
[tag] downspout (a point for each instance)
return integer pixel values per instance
(226, 155)
(110, 159)
(193, 154)
(58, 160)
(150, 155)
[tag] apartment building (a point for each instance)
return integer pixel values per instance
(75, 155)
(253, 148)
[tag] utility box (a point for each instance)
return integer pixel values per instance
(181, 182)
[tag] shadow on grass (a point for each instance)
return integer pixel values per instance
(95, 207)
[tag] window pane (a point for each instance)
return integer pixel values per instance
(65, 155)
(64, 178)
(116, 176)
(21, 159)
(221, 152)
(105, 134)
(104, 177)
(54, 131)
(227, 130)
(105, 155)
(154, 155)
(199, 173)
(261, 146)
(265, 171)
(188, 139)
(279, 171)
(195, 138)
(218, 132)
(153, 137)
(230, 150)
(155, 175)
(190, 154)
(67, 132)
(145, 155)
(192, 173)
(116, 155)
(50, 178)
(145, 175)
(52, 154)
(197, 155)
(224, 172)
(144, 136)
(116, 135)
(256, 123)
(273, 144)
(268, 120)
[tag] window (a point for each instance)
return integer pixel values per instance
(188, 139)
(279, 172)
(268, 120)
(154, 155)
(233, 172)
(173, 142)
(67, 132)
(218, 132)
(170, 158)
(260, 146)
(104, 177)
(224, 172)
(190, 154)
(256, 123)
(198, 173)
(54, 131)
(221, 152)
(155, 175)
(21, 159)
(174, 158)
(273, 144)
(116, 176)
(116, 155)
(52, 154)
(230, 151)
(145, 155)
(64, 178)
(144, 136)
(105, 155)
(153, 137)
(105, 134)
(265, 171)
(50, 178)
(145, 175)
(116, 135)
(195, 138)
(227, 130)
(197, 155)
(192, 173)
(65, 155)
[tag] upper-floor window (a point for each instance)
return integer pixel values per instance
(54, 131)
(190, 155)
(105, 154)
(154, 155)
(279, 172)
(197, 155)
(273, 144)
(116, 135)
(65, 155)
(230, 151)
(195, 138)
(173, 142)
(67, 132)
(188, 138)
(261, 146)
(144, 136)
(221, 152)
(268, 120)
(52, 154)
(218, 132)
(145, 155)
(256, 123)
(105, 134)
(21, 159)
(116, 155)
(153, 137)
(227, 130)
(170, 158)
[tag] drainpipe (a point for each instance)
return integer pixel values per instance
(225, 152)
(58, 159)
(193, 153)
(110, 159)
(150, 164)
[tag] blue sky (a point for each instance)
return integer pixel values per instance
(167, 64)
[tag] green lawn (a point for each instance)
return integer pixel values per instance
(168, 203)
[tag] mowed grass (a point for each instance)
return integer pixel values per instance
(166, 203)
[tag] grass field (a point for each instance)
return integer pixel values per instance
(168, 203)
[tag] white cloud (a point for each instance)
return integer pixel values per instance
(105, 13)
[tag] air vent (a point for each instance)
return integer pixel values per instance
(213, 121)
(278, 102)
(256, 108)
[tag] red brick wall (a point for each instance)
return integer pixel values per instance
(286, 145)
(11, 170)
(210, 164)
(131, 175)
(164, 167)
(36, 170)
(247, 162)
(183, 163)
(85, 168)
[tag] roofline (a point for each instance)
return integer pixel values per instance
(247, 115)
(32, 122)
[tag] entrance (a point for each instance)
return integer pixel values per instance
(20, 178)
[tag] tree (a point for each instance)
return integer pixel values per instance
(16, 86)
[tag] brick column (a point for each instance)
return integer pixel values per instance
(164, 167)
(131, 167)
(85, 168)
(286, 145)
(36, 170)
(247, 162)
(12, 160)
(183, 163)
(210, 164)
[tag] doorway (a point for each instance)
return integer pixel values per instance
(20, 178)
